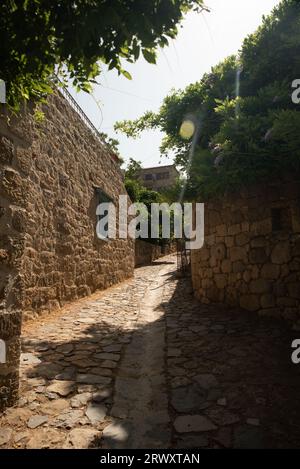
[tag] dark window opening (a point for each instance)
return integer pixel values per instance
(163, 176)
(280, 219)
(102, 197)
(276, 219)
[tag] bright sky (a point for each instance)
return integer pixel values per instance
(203, 41)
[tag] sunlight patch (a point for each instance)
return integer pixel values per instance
(187, 129)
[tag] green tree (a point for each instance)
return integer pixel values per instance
(112, 143)
(133, 188)
(246, 125)
(133, 169)
(197, 102)
(39, 37)
(140, 194)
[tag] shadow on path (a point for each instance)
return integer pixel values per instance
(146, 365)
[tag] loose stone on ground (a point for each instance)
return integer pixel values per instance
(145, 365)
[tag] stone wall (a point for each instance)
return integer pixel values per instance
(251, 255)
(49, 251)
(145, 253)
(10, 331)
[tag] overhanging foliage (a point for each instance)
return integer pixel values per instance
(248, 127)
(39, 36)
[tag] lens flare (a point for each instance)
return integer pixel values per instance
(187, 129)
(237, 90)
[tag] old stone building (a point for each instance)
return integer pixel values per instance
(159, 178)
(52, 174)
(251, 256)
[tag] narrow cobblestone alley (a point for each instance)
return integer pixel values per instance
(144, 365)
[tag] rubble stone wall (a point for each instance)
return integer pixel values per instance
(49, 249)
(251, 255)
(145, 253)
(50, 169)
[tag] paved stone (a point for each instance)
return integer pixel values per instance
(174, 352)
(21, 436)
(192, 441)
(206, 381)
(63, 388)
(141, 381)
(29, 359)
(222, 402)
(243, 364)
(188, 399)
(247, 437)
(224, 437)
(254, 422)
(92, 379)
(144, 364)
(108, 356)
(222, 417)
(67, 419)
(96, 412)
(82, 438)
(100, 371)
(65, 348)
(193, 424)
(112, 348)
(69, 374)
(37, 420)
(54, 407)
(115, 434)
(102, 394)
(17, 416)
(81, 399)
(108, 364)
(5, 435)
(45, 438)
(49, 370)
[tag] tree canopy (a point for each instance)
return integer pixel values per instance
(141, 195)
(39, 37)
(245, 123)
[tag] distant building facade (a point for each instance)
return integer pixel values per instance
(159, 178)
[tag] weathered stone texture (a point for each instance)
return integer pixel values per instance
(49, 251)
(145, 252)
(48, 246)
(246, 260)
(10, 331)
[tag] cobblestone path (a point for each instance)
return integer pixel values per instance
(144, 365)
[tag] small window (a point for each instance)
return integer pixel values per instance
(148, 177)
(281, 219)
(102, 198)
(162, 176)
(276, 219)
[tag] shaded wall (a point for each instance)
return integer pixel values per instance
(251, 256)
(145, 253)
